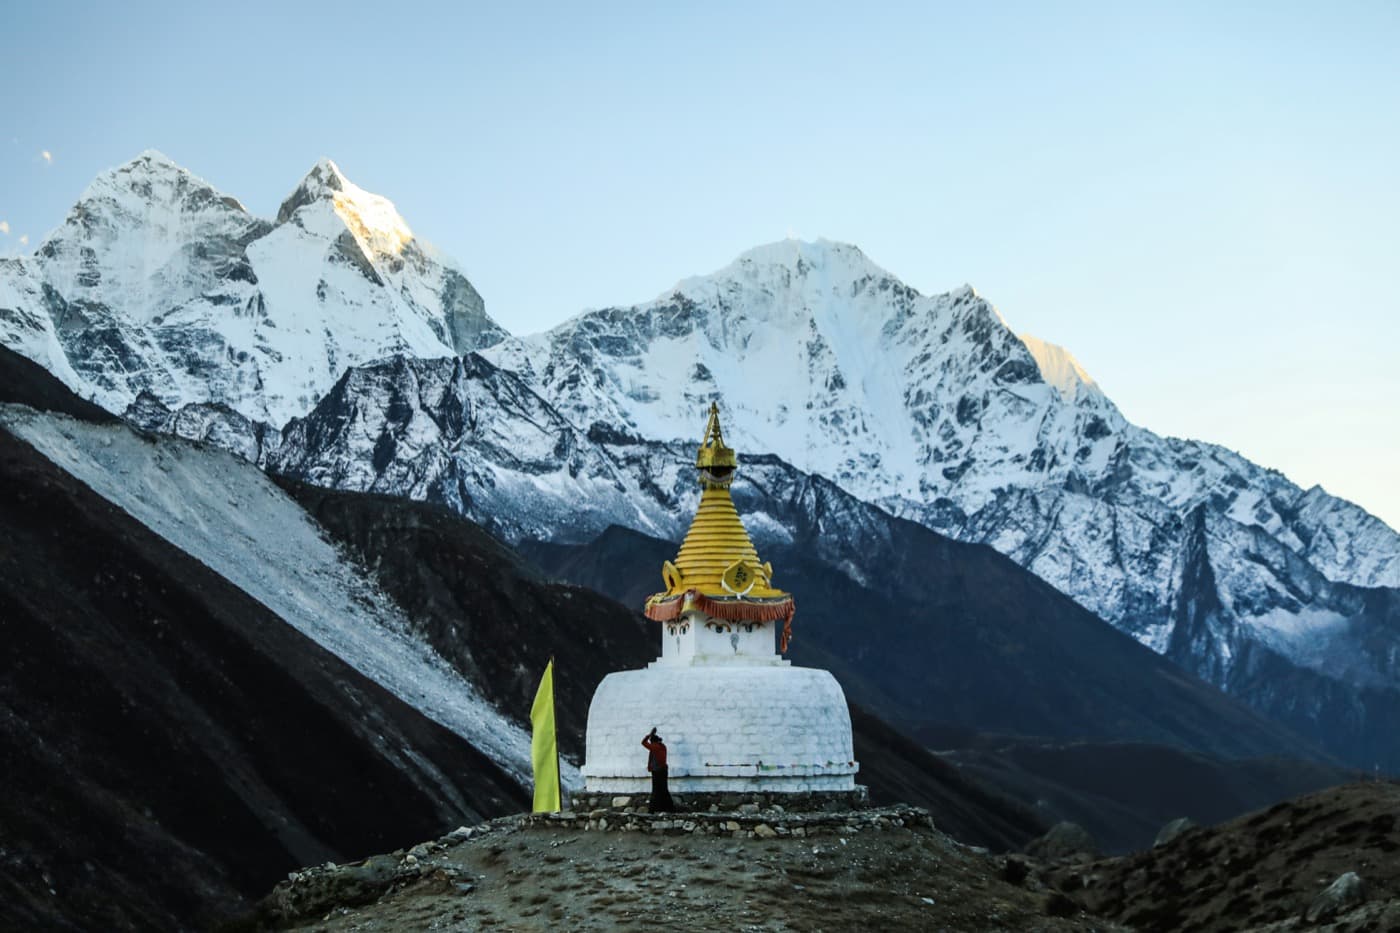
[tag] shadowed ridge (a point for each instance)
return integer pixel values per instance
(25, 382)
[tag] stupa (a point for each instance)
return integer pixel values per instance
(736, 715)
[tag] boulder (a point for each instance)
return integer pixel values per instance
(1342, 895)
(1064, 840)
(317, 890)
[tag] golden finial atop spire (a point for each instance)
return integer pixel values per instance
(715, 460)
(717, 569)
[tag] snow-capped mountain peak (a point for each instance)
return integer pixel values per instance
(152, 182)
(158, 282)
(322, 182)
(821, 256)
(824, 356)
(93, 251)
(802, 272)
(928, 406)
(373, 219)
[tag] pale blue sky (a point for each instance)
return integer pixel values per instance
(1200, 200)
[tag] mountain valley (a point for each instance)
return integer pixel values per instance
(277, 478)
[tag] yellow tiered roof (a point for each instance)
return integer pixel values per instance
(717, 570)
(717, 557)
(717, 540)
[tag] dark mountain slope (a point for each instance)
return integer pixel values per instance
(898, 769)
(1263, 871)
(963, 638)
(25, 382)
(170, 746)
(1123, 794)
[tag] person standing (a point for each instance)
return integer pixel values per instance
(661, 801)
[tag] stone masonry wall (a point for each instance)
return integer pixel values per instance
(744, 823)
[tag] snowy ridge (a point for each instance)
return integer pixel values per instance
(845, 370)
(158, 282)
(476, 438)
(373, 220)
(231, 517)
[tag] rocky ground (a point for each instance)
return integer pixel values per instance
(879, 869)
(1326, 861)
(1329, 860)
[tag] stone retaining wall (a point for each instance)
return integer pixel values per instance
(748, 822)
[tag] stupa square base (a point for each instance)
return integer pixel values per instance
(729, 801)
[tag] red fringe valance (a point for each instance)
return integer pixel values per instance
(669, 608)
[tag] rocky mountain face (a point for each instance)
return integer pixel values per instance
(156, 282)
(887, 594)
(477, 439)
(467, 434)
(931, 407)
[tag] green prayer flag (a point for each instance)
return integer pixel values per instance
(544, 747)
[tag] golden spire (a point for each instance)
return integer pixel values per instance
(714, 457)
(717, 569)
